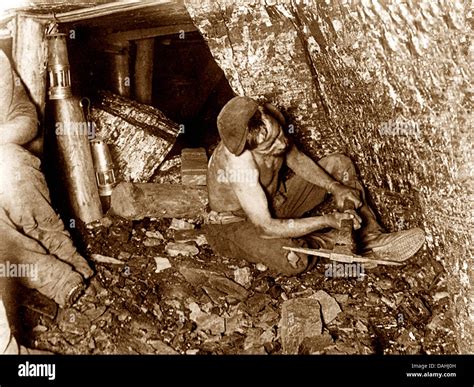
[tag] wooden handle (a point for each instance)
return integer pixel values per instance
(347, 224)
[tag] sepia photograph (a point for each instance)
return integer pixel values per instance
(278, 182)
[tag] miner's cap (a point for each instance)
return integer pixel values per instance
(232, 121)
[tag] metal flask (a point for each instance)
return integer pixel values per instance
(104, 167)
(73, 149)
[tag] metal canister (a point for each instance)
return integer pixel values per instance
(104, 167)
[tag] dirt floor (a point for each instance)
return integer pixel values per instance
(148, 302)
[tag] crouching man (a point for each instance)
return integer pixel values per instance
(244, 182)
(31, 233)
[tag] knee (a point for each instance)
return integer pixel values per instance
(335, 159)
(339, 165)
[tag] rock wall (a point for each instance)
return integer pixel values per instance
(389, 84)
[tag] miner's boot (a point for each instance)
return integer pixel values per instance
(396, 246)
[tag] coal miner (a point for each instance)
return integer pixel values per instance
(265, 212)
(31, 233)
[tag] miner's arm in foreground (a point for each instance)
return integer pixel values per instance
(305, 167)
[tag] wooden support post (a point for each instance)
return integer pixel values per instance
(144, 70)
(136, 201)
(31, 55)
(119, 68)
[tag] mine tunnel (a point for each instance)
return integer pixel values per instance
(385, 83)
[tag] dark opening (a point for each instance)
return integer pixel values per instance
(188, 85)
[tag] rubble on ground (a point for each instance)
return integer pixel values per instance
(154, 302)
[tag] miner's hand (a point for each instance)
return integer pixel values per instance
(335, 219)
(342, 193)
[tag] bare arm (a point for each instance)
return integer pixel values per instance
(255, 204)
(305, 167)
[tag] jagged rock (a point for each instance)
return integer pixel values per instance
(72, 321)
(161, 348)
(180, 224)
(157, 311)
(257, 303)
(237, 322)
(341, 298)
(205, 321)
(385, 284)
(373, 297)
(330, 307)
(415, 310)
(124, 255)
(388, 302)
(161, 264)
(197, 277)
(185, 236)
(124, 315)
(94, 312)
(341, 349)
(212, 323)
(175, 249)
(228, 287)
(154, 234)
(408, 342)
(267, 336)
(106, 221)
(119, 234)
(215, 295)
(275, 291)
(104, 259)
(243, 276)
(300, 318)
(261, 267)
(152, 242)
(360, 326)
(267, 318)
(200, 278)
(253, 342)
(440, 295)
(315, 345)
